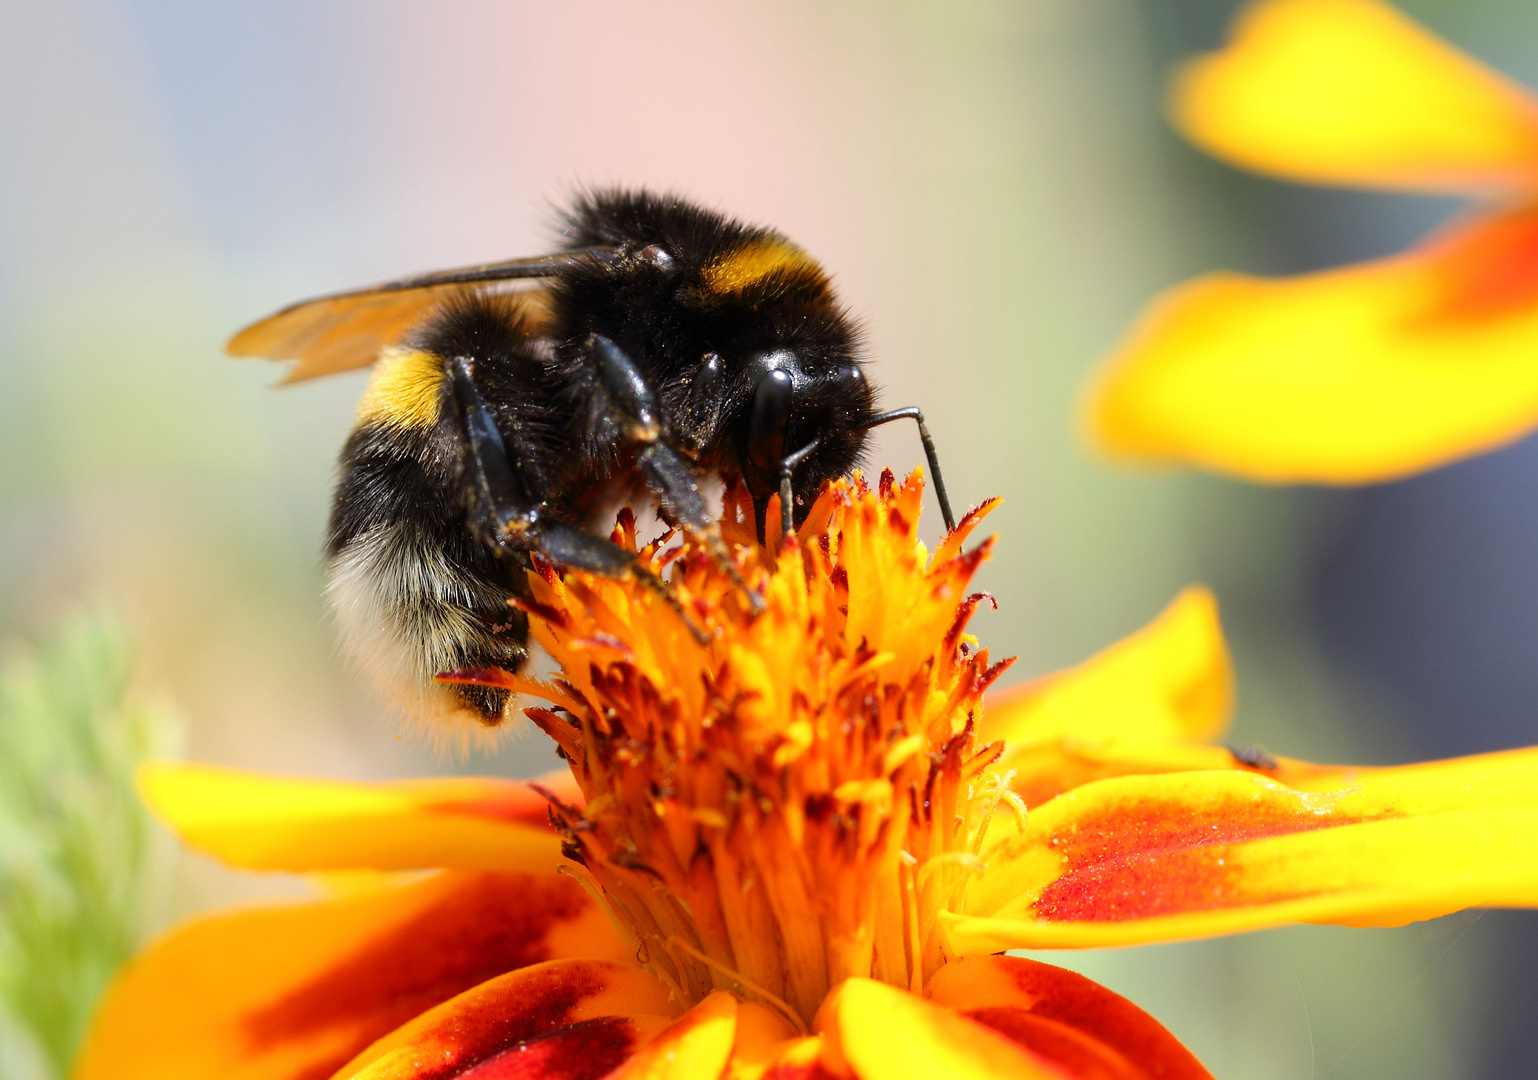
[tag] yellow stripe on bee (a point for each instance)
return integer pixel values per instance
(405, 390)
(758, 259)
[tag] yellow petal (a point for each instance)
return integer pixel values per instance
(1172, 680)
(803, 1059)
(261, 822)
(1352, 92)
(1046, 770)
(695, 1047)
(1156, 858)
(292, 992)
(1343, 377)
(764, 1036)
(882, 1033)
(565, 1020)
(1063, 1017)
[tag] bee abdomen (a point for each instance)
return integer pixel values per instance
(408, 613)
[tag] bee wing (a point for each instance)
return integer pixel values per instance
(347, 330)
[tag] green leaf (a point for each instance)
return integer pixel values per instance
(74, 839)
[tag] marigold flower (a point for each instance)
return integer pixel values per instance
(1367, 372)
(795, 851)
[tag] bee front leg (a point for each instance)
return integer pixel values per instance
(667, 473)
(515, 519)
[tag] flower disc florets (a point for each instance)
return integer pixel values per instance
(796, 801)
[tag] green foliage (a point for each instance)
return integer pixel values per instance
(74, 839)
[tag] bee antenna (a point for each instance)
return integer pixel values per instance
(787, 493)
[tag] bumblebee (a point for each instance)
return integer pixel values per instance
(510, 402)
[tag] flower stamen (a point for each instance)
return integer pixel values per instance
(737, 979)
(794, 802)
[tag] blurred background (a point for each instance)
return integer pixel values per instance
(995, 190)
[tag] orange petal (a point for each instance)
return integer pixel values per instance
(1156, 858)
(1344, 377)
(292, 992)
(1352, 92)
(696, 1047)
(879, 1032)
(565, 1020)
(258, 821)
(1171, 680)
(1063, 1017)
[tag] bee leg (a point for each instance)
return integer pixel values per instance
(668, 474)
(502, 495)
(516, 520)
(570, 546)
(912, 413)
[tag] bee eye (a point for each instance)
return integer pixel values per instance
(768, 417)
(657, 255)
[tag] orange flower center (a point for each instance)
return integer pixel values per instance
(797, 801)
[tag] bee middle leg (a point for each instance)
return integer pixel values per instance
(514, 517)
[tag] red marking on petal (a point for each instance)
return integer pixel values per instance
(1145, 858)
(1066, 1009)
(809, 1070)
(582, 1051)
(507, 1018)
(1487, 271)
(1142, 886)
(533, 1012)
(1082, 1058)
(491, 924)
(526, 810)
(1143, 825)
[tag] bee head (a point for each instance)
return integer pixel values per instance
(805, 413)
